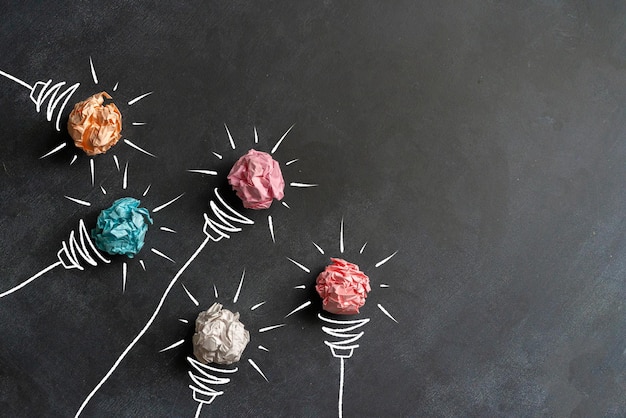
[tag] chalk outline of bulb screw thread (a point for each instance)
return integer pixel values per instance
(47, 92)
(215, 231)
(343, 348)
(203, 383)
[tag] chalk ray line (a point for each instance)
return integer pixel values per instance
(281, 139)
(230, 137)
(166, 204)
(363, 248)
(256, 136)
(169, 347)
(92, 169)
(160, 254)
(257, 306)
(117, 162)
(139, 123)
(143, 265)
(30, 280)
(318, 248)
(103, 190)
(136, 99)
(184, 321)
(93, 72)
(299, 308)
(138, 148)
(125, 178)
(147, 190)
(303, 185)
(199, 171)
(270, 224)
(144, 329)
(300, 287)
(303, 267)
(384, 285)
(217, 155)
(166, 229)
(115, 86)
(124, 274)
(341, 246)
(292, 161)
(285, 204)
(270, 328)
(56, 149)
(254, 365)
(263, 348)
(194, 300)
(383, 310)
(74, 158)
(80, 202)
(236, 298)
(215, 291)
(381, 262)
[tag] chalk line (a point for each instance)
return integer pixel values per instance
(341, 382)
(166, 229)
(236, 298)
(341, 247)
(304, 185)
(80, 202)
(318, 248)
(139, 123)
(300, 287)
(257, 306)
(209, 172)
(137, 147)
(270, 224)
(299, 308)
(92, 169)
(215, 291)
(166, 204)
(115, 86)
(306, 269)
(285, 204)
(147, 190)
(117, 162)
(383, 310)
(292, 161)
(217, 155)
(230, 137)
(169, 347)
(184, 321)
(74, 158)
(125, 178)
(56, 149)
(93, 72)
(136, 99)
(281, 139)
(30, 280)
(17, 80)
(143, 265)
(254, 365)
(160, 254)
(381, 262)
(265, 329)
(384, 286)
(256, 136)
(363, 248)
(124, 273)
(263, 348)
(103, 190)
(194, 300)
(144, 329)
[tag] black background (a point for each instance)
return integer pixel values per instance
(484, 141)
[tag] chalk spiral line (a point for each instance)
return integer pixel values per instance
(55, 94)
(74, 251)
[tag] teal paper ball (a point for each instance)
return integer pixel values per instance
(121, 229)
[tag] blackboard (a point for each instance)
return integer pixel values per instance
(469, 157)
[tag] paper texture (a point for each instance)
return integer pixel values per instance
(121, 229)
(93, 127)
(257, 180)
(220, 337)
(342, 287)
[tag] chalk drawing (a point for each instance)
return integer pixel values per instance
(343, 333)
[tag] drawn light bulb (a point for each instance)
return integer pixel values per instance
(53, 99)
(209, 381)
(222, 223)
(351, 287)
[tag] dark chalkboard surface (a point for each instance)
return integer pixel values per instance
(468, 157)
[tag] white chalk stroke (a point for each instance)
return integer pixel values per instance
(344, 333)
(57, 95)
(343, 345)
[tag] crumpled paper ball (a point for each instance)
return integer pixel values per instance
(343, 287)
(257, 180)
(93, 127)
(220, 337)
(121, 229)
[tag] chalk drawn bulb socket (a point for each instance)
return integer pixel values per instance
(206, 380)
(75, 250)
(345, 335)
(224, 221)
(56, 96)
